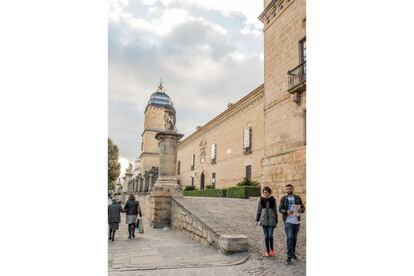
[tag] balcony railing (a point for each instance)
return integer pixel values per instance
(297, 76)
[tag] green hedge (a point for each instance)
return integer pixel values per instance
(243, 192)
(189, 188)
(233, 192)
(208, 193)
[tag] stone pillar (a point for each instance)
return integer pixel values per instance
(168, 146)
(150, 181)
(140, 184)
(166, 185)
(146, 183)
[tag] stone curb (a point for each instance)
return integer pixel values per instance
(178, 266)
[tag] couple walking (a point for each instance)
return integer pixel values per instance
(132, 210)
(290, 207)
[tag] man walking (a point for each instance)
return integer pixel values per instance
(290, 207)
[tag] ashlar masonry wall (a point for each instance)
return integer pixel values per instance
(184, 221)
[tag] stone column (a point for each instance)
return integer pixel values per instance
(140, 184)
(166, 185)
(146, 183)
(150, 181)
(168, 146)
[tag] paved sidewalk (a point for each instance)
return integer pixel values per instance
(162, 250)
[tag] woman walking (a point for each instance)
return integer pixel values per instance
(267, 218)
(114, 218)
(132, 210)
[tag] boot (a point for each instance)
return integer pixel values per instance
(113, 235)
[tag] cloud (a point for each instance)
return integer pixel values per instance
(208, 56)
(124, 165)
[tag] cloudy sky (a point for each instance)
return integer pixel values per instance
(208, 52)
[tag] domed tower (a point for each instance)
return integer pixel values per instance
(154, 123)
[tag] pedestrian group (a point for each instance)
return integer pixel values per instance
(290, 207)
(132, 210)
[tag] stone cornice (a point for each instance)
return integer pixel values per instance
(273, 10)
(270, 105)
(152, 129)
(250, 99)
(153, 154)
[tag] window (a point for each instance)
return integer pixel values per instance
(178, 167)
(213, 153)
(192, 162)
(302, 50)
(248, 172)
(213, 180)
(247, 140)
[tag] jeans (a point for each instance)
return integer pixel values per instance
(292, 231)
(268, 233)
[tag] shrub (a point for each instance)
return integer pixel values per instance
(243, 192)
(189, 188)
(248, 182)
(209, 187)
(206, 193)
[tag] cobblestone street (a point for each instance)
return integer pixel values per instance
(169, 252)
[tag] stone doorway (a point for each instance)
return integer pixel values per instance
(202, 180)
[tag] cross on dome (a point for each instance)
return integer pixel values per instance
(161, 87)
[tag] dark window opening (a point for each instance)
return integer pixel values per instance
(249, 172)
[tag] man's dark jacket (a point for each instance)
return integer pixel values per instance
(285, 206)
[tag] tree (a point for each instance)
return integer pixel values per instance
(114, 167)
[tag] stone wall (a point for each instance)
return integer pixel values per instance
(191, 226)
(286, 168)
(184, 220)
(154, 122)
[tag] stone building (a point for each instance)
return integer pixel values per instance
(263, 135)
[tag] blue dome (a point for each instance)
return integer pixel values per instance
(160, 98)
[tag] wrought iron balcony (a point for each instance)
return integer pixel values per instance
(297, 77)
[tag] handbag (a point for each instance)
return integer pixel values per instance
(137, 223)
(141, 227)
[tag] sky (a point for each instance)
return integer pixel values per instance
(208, 53)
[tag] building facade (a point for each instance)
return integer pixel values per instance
(226, 149)
(285, 95)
